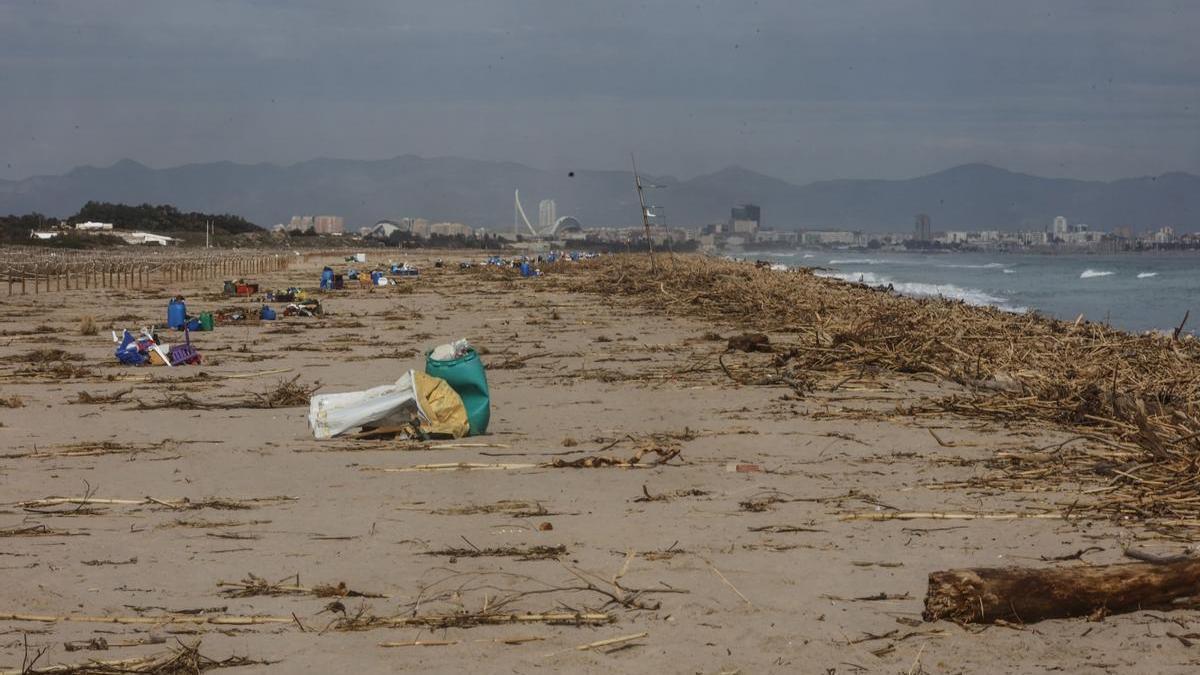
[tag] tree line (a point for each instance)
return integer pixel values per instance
(157, 218)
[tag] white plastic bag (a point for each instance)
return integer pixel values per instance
(450, 350)
(331, 415)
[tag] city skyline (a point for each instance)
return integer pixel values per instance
(473, 192)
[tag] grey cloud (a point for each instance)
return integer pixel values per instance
(804, 90)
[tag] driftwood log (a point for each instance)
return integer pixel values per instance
(1025, 595)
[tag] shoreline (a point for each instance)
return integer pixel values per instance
(1083, 289)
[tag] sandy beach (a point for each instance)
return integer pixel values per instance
(764, 544)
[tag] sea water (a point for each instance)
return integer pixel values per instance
(1134, 291)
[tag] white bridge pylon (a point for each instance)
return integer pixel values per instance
(519, 212)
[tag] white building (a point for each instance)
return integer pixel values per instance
(547, 215)
(1059, 229)
(34, 234)
(1164, 235)
(451, 229)
(384, 229)
(147, 238)
(93, 226)
(831, 238)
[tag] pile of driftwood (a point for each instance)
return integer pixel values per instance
(1133, 400)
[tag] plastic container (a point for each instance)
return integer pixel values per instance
(176, 314)
(267, 314)
(230, 288)
(206, 321)
(466, 376)
(326, 278)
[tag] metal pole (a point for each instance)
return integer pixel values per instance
(645, 217)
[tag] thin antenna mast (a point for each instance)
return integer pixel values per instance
(637, 181)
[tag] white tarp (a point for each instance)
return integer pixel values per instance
(332, 414)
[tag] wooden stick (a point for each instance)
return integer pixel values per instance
(611, 641)
(583, 618)
(243, 376)
(457, 466)
(420, 643)
(728, 582)
(922, 515)
(224, 620)
(516, 640)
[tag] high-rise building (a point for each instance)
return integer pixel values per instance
(547, 214)
(329, 224)
(921, 229)
(746, 212)
(301, 223)
(745, 219)
(1059, 229)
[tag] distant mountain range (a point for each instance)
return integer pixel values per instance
(480, 193)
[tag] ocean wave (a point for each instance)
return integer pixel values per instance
(985, 266)
(1008, 271)
(808, 255)
(859, 261)
(1146, 275)
(971, 296)
(1090, 273)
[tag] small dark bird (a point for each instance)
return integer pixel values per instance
(335, 606)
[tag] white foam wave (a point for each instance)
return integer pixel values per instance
(1008, 271)
(1090, 273)
(858, 261)
(985, 266)
(808, 255)
(971, 296)
(1146, 275)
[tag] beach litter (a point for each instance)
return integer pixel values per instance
(404, 270)
(303, 308)
(241, 287)
(415, 406)
(460, 366)
(144, 348)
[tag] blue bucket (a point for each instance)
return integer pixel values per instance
(267, 314)
(176, 314)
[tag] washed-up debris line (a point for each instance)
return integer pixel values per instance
(1133, 401)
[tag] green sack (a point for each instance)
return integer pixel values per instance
(466, 376)
(206, 321)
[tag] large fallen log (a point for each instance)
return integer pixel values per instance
(1025, 595)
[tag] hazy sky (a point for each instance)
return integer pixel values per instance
(801, 90)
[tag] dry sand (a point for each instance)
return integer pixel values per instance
(751, 571)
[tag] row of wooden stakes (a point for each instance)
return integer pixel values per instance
(53, 277)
